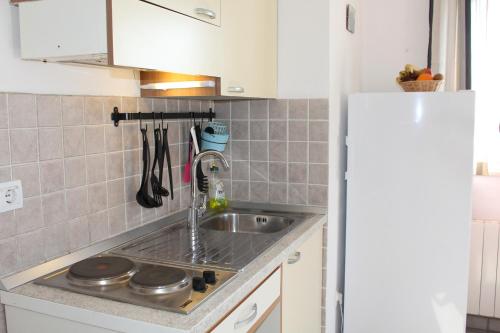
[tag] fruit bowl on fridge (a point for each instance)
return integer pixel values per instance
(412, 79)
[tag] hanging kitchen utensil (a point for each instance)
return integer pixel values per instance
(200, 176)
(161, 158)
(166, 151)
(186, 178)
(155, 182)
(143, 198)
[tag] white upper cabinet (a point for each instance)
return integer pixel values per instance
(250, 48)
(234, 40)
(204, 10)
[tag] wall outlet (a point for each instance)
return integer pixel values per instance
(11, 196)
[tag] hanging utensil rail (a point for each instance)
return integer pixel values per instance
(116, 116)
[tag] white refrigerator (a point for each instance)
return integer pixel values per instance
(408, 217)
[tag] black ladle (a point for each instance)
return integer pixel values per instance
(143, 198)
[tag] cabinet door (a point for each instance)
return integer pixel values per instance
(302, 288)
(151, 37)
(489, 270)
(249, 48)
(248, 316)
(476, 258)
(204, 10)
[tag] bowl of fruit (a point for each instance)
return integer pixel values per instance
(412, 79)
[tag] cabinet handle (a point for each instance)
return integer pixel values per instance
(248, 319)
(206, 12)
(235, 89)
(295, 258)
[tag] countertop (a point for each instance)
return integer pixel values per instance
(129, 318)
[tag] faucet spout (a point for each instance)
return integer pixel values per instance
(194, 208)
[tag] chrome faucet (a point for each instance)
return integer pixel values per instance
(196, 210)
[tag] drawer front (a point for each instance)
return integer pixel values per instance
(204, 10)
(253, 308)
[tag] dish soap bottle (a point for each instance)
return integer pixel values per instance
(216, 192)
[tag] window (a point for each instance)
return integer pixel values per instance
(484, 79)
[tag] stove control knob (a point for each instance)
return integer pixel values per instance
(199, 284)
(209, 277)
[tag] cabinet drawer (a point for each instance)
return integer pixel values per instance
(244, 317)
(204, 10)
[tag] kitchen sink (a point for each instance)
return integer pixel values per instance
(247, 223)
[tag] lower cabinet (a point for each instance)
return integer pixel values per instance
(302, 287)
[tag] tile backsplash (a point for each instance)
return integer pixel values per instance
(80, 174)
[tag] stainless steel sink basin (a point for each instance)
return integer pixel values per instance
(247, 223)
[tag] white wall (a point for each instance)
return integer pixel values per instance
(395, 33)
(17, 75)
(345, 78)
(303, 49)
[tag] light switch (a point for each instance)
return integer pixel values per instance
(11, 196)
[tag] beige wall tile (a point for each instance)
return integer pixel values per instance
(239, 130)
(145, 104)
(29, 218)
(52, 176)
(116, 193)
(77, 202)
(223, 110)
(114, 165)
(240, 109)
(132, 162)
(22, 113)
(96, 168)
(297, 173)
(98, 226)
(259, 109)
(5, 174)
(97, 197)
(94, 110)
(72, 107)
(258, 130)
(175, 204)
(75, 172)
(318, 152)
(4, 147)
(241, 190)
(54, 208)
(297, 130)
(133, 211)
(318, 195)
(240, 170)
(259, 151)
(129, 104)
(318, 174)
(172, 105)
(4, 114)
(131, 136)
(277, 172)
(117, 220)
(259, 191)
(74, 144)
(277, 192)
(318, 131)
(31, 249)
(132, 185)
(79, 235)
(94, 139)
(109, 104)
(49, 110)
(7, 225)
(56, 241)
(278, 109)
(29, 176)
(278, 130)
(23, 145)
(318, 109)
(173, 133)
(159, 105)
(278, 151)
(50, 142)
(259, 171)
(297, 152)
(297, 194)
(240, 150)
(8, 259)
(113, 135)
(298, 108)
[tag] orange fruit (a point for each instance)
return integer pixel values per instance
(424, 77)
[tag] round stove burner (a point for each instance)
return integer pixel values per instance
(159, 280)
(101, 271)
